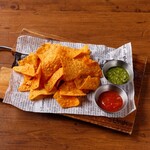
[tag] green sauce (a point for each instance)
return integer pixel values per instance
(117, 75)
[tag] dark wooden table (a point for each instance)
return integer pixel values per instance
(109, 22)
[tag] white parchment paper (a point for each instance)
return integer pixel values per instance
(100, 53)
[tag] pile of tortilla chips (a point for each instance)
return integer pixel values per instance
(63, 72)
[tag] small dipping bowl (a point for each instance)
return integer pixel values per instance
(109, 87)
(118, 63)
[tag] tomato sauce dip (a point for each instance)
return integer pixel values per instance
(110, 101)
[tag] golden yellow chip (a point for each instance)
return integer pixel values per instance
(36, 79)
(42, 49)
(73, 53)
(53, 80)
(92, 68)
(51, 61)
(73, 68)
(40, 94)
(90, 83)
(27, 69)
(32, 59)
(85, 52)
(26, 85)
(79, 81)
(66, 101)
(70, 89)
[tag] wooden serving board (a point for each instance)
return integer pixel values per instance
(120, 124)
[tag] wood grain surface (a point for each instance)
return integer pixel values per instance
(109, 22)
(5, 74)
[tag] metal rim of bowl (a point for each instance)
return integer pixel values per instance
(115, 63)
(110, 87)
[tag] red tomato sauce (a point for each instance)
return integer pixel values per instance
(110, 101)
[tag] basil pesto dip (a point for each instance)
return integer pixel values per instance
(117, 75)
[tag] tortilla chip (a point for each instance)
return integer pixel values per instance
(66, 101)
(92, 68)
(40, 94)
(42, 49)
(51, 61)
(26, 85)
(85, 52)
(53, 80)
(79, 81)
(36, 79)
(90, 83)
(73, 53)
(73, 68)
(31, 59)
(27, 69)
(69, 89)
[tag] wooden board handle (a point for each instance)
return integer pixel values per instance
(4, 80)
